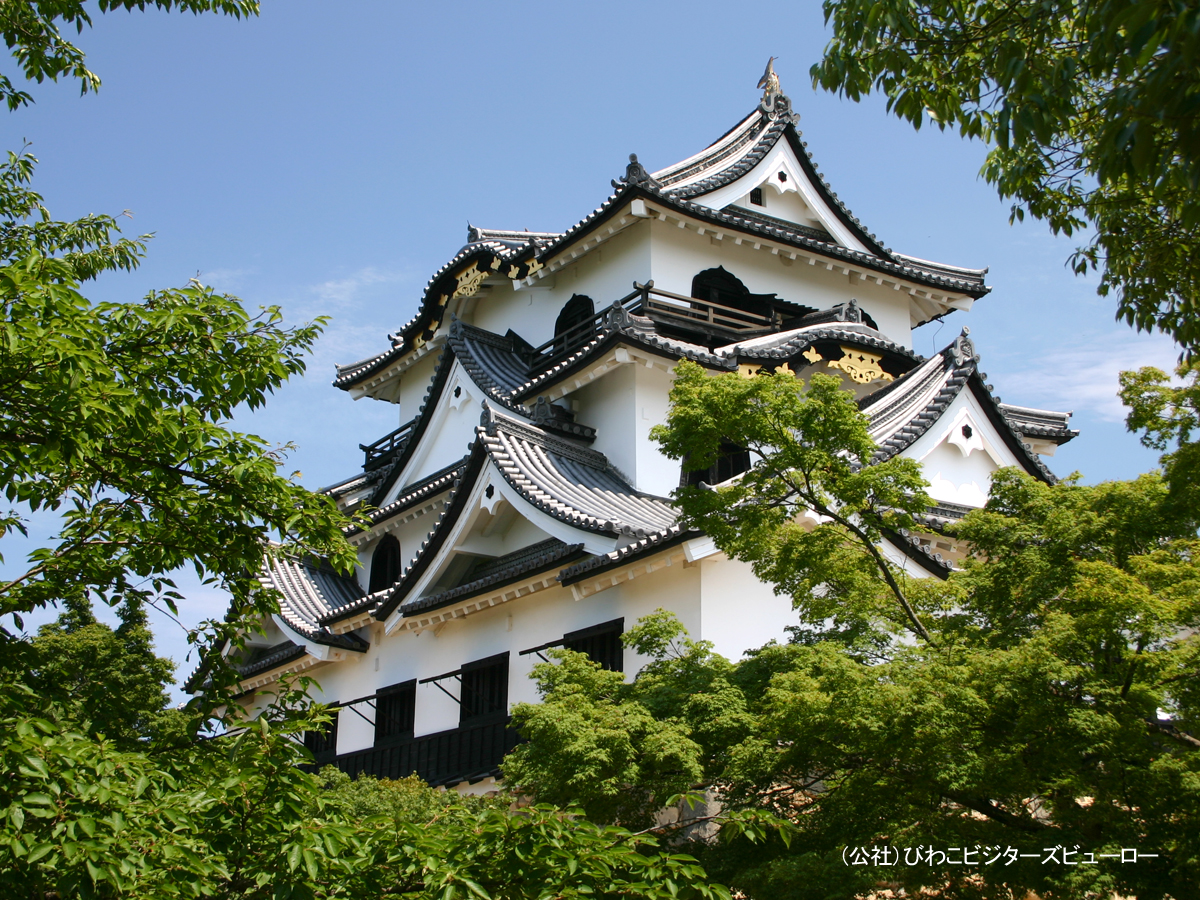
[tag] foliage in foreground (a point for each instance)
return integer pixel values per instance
(1052, 703)
(237, 817)
(1090, 110)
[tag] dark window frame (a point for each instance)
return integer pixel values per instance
(386, 564)
(393, 725)
(615, 655)
(732, 461)
(601, 643)
(483, 698)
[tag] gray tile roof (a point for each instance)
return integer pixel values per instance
(570, 482)
(271, 657)
(417, 493)
(497, 573)
(620, 326)
(420, 422)
(574, 484)
(785, 344)
(904, 410)
(308, 592)
(727, 159)
(1040, 423)
(497, 363)
(351, 484)
(651, 543)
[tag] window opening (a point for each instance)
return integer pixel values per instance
(575, 323)
(732, 461)
(756, 197)
(395, 712)
(601, 643)
(385, 564)
(483, 689)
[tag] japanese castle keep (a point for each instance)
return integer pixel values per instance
(521, 504)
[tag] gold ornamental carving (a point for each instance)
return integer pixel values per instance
(862, 367)
(812, 356)
(469, 280)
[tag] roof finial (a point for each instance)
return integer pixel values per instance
(963, 349)
(635, 173)
(770, 81)
(775, 103)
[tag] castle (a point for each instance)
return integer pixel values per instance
(521, 505)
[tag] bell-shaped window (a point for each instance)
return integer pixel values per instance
(575, 324)
(385, 564)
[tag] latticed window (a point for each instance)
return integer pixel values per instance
(395, 711)
(601, 643)
(484, 694)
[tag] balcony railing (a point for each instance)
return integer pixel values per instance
(665, 308)
(387, 447)
(448, 757)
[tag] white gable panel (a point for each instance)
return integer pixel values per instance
(449, 434)
(960, 452)
(781, 158)
(479, 503)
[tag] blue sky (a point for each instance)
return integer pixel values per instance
(326, 157)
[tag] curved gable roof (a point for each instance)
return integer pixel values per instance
(904, 410)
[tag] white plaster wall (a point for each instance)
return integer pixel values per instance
(737, 611)
(947, 464)
(414, 382)
(605, 274)
(609, 405)
(653, 472)
(514, 626)
(517, 534)
(678, 254)
(957, 479)
(449, 435)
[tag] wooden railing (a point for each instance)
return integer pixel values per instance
(659, 306)
(382, 450)
(461, 754)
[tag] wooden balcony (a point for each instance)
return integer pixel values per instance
(696, 320)
(387, 447)
(447, 757)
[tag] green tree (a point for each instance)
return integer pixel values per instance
(1090, 111)
(115, 417)
(1053, 703)
(110, 678)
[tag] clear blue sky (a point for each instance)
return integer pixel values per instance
(327, 156)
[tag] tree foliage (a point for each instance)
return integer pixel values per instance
(115, 418)
(811, 488)
(1092, 111)
(1054, 704)
(110, 679)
